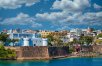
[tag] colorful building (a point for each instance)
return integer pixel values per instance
(27, 39)
(44, 34)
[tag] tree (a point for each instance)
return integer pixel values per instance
(99, 35)
(6, 53)
(57, 40)
(3, 37)
(86, 39)
(2, 47)
(99, 41)
(75, 41)
(50, 40)
(54, 40)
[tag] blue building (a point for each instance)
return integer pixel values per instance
(28, 39)
(23, 35)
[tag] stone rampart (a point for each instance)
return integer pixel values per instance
(40, 52)
(97, 49)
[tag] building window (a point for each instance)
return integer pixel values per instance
(34, 45)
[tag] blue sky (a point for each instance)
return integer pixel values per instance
(50, 14)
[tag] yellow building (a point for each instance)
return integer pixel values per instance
(44, 34)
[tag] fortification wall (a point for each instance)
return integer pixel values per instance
(40, 52)
(55, 52)
(34, 52)
(87, 48)
(97, 49)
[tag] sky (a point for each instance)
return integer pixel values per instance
(50, 14)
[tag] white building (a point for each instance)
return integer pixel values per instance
(72, 36)
(28, 39)
(76, 32)
(34, 42)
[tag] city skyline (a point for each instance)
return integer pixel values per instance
(50, 14)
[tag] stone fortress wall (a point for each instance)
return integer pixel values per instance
(97, 49)
(45, 52)
(39, 52)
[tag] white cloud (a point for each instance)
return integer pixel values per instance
(97, 6)
(59, 17)
(63, 19)
(71, 14)
(69, 10)
(72, 5)
(51, 16)
(12, 4)
(21, 19)
(94, 18)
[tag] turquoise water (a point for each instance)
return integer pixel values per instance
(56, 62)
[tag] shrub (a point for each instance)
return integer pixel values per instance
(6, 53)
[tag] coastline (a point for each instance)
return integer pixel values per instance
(47, 53)
(57, 57)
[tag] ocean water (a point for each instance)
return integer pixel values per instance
(55, 62)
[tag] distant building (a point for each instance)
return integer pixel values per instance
(23, 35)
(89, 30)
(33, 42)
(76, 32)
(27, 39)
(99, 31)
(72, 36)
(4, 31)
(44, 34)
